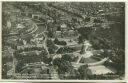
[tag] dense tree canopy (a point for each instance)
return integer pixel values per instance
(63, 65)
(51, 46)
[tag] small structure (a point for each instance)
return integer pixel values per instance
(9, 24)
(85, 47)
(20, 26)
(87, 44)
(58, 34)
(71, 33)
(82, 49)
(63, 27)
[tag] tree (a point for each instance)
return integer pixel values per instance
(45, 57)
(97, 21)
(5, 17)
(80, 39)
(85, 32)
(118, 58)
(4, 67)
(66, 57)
(65, 49)
(87, 19)
(82, 49)
(51, 46)
(83, 71)
(50, 33)
(19, 66)
(56, 41)
(57, 61)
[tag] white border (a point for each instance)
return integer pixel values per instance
(0, 39)
(69, 0)
(126, 41)
(104, 81)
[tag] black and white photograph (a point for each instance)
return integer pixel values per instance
(63, 40)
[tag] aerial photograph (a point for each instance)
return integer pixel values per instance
(63, 40)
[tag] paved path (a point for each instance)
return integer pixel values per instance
(77, 65)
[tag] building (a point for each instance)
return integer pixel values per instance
(58, 34)
(63, 27)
